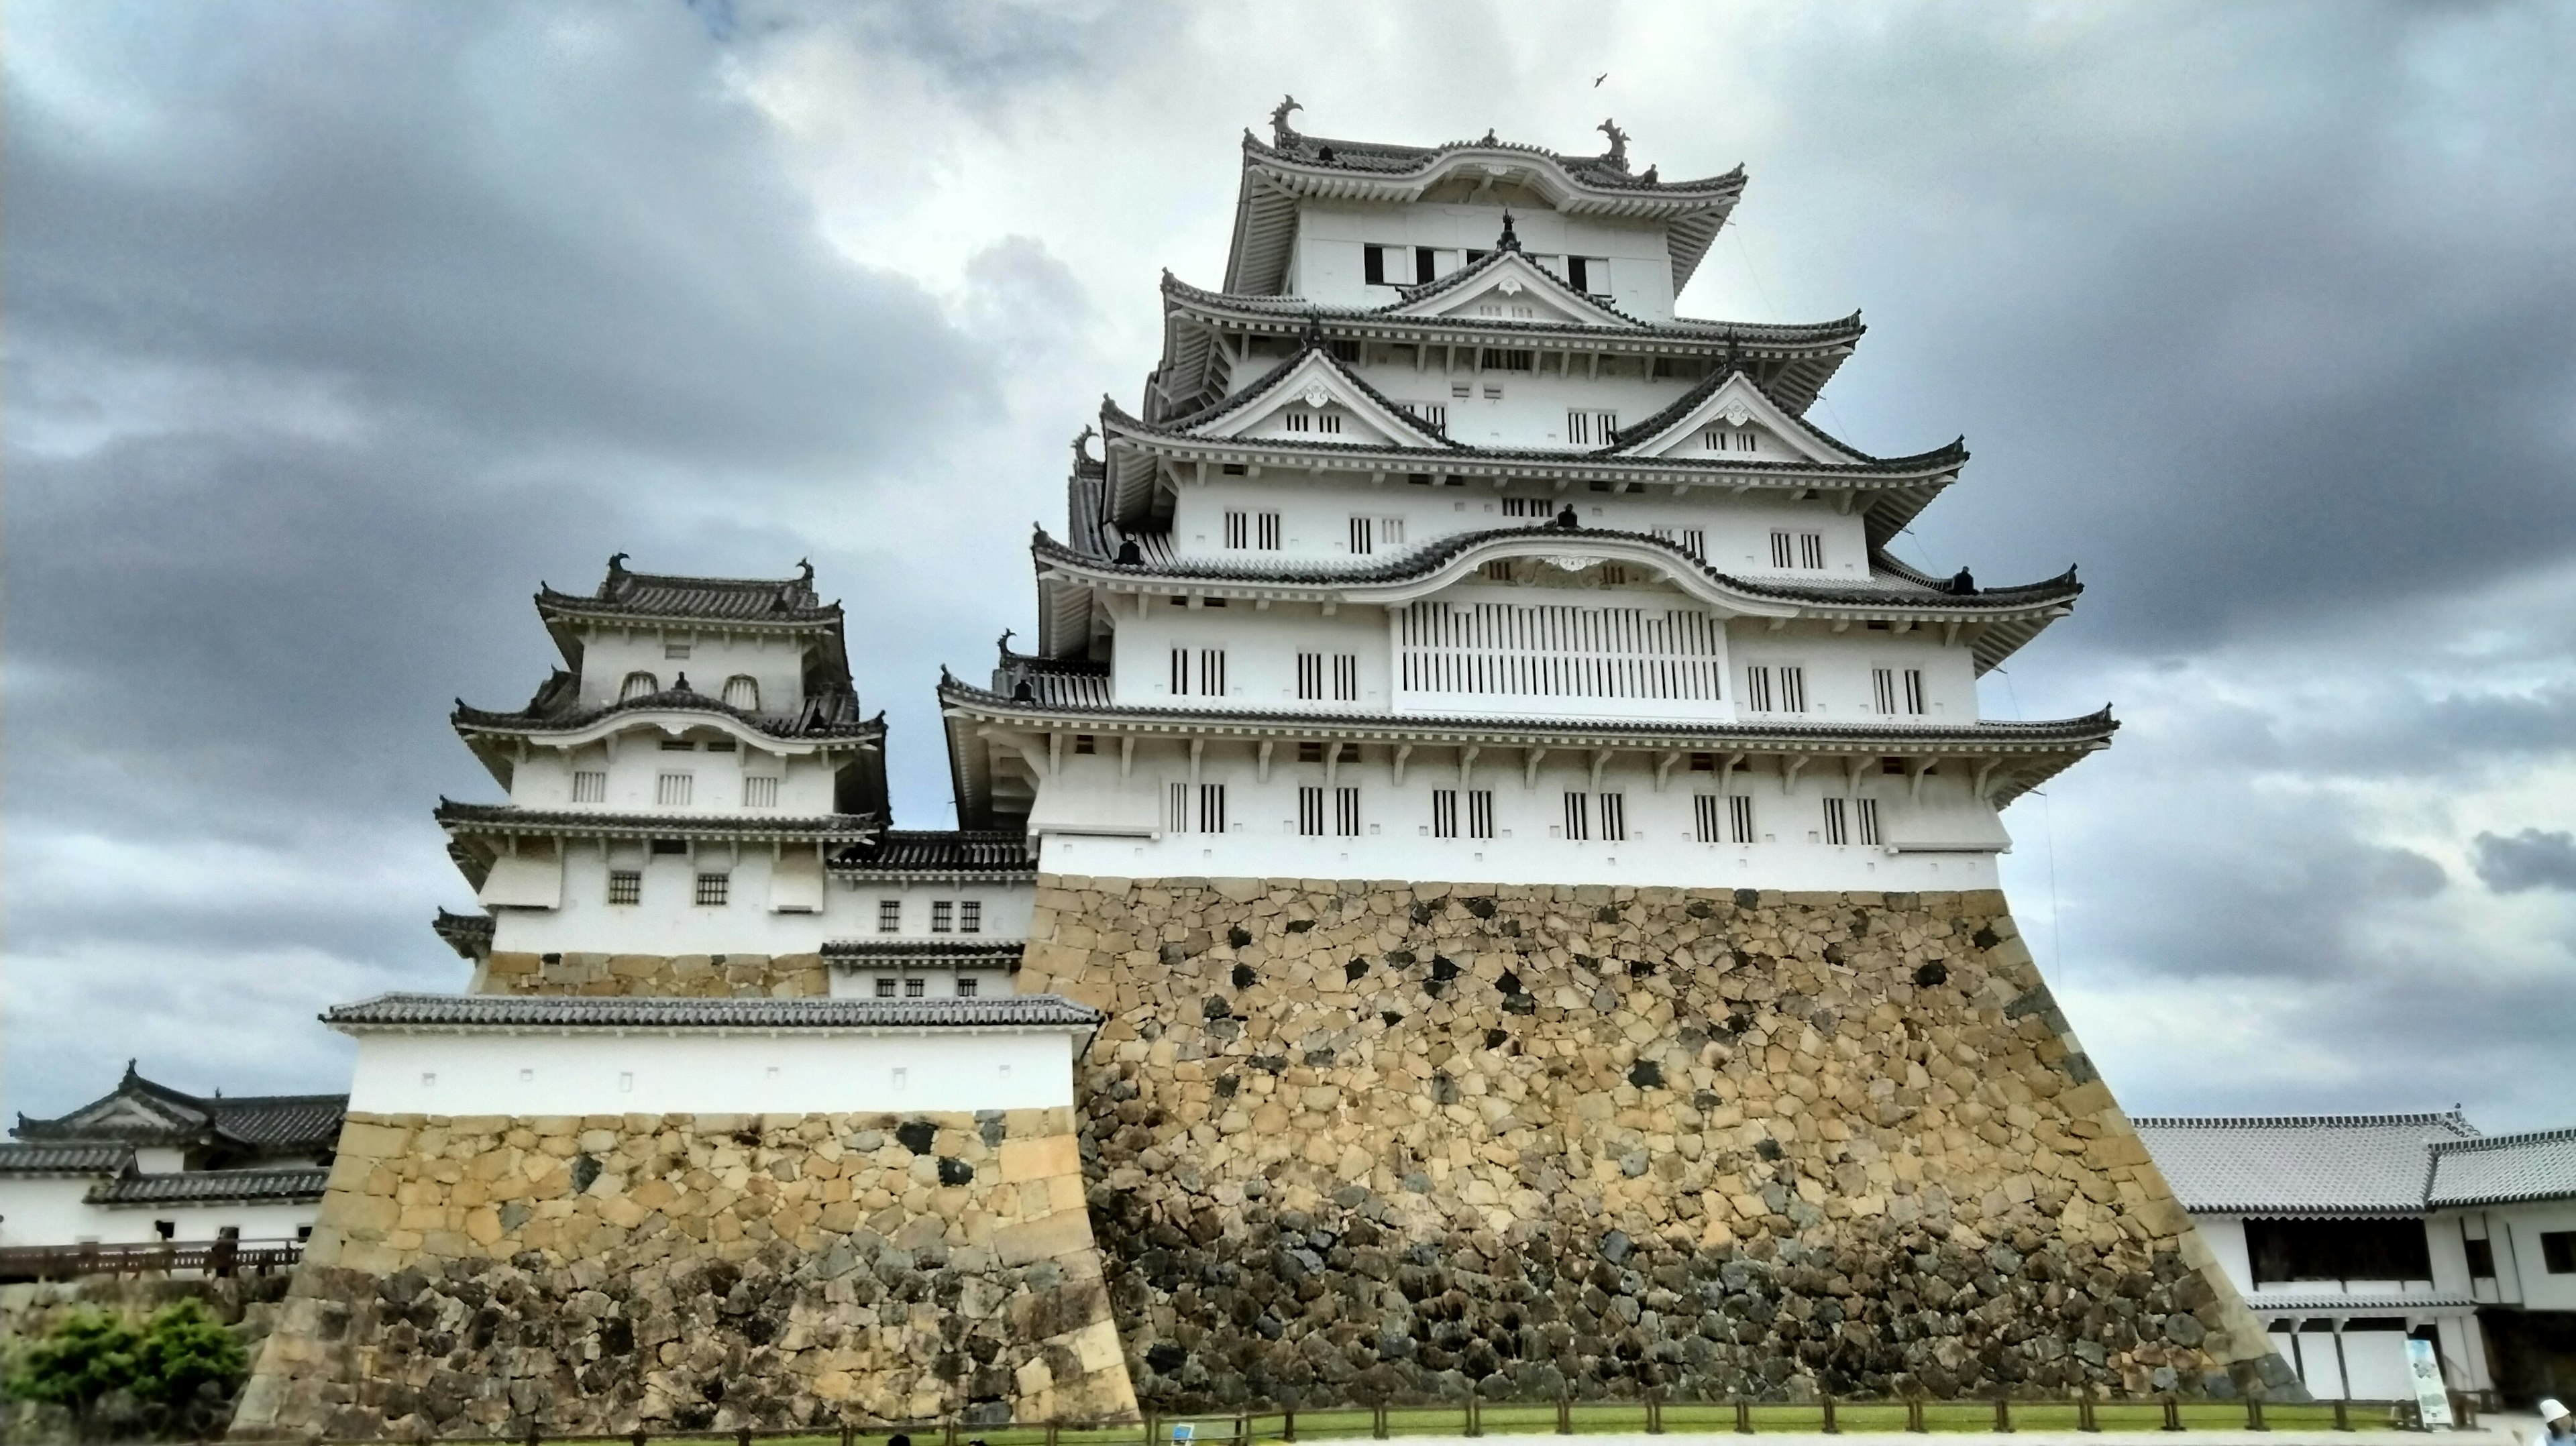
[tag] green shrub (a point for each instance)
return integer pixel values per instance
(178, 1369)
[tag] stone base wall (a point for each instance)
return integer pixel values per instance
(696, 976)
(1371, 1140)
(597, 1274)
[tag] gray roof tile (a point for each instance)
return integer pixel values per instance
(489, 1011)
(205, 1187)
(64, 1159)
(1001, 854)
(2536, 1165)
(2299, 1164)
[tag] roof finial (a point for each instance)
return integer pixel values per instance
(1004, 642)
(1507, 241)
(805, 571)
(680, 684)
(1964, 585)
(1281, 133)
(1082, 446)
(1653, 176)
(1314, 338)
(1489, 138)
(1618, 156)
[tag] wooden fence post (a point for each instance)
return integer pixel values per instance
(1564, 1413)
(2173, 1413)
(2084, 1418)
(2343, 1414)
(1832, 1427)
(2003, 1415)
(1288, 1423)
(2254, 1414)
(1377, 1422)
(1743, 1416)
(1914, 1414)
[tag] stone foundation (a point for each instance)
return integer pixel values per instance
(1377, 1140)
(245, 1305)
(695, 976)
(597, 1274)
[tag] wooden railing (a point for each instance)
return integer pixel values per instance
(150, 1257)
(1650, 1415)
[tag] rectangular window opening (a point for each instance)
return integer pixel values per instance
(1346, 812)
(1310, 812)
(625, 886)
(943, 916)
(1578, 816)
(889, 916)
(1211, 808)
(589, 787)
(714, 889)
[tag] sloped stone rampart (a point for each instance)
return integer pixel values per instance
(694, 976)
(1373, 1140)
(246, 1305)
(595, 1274)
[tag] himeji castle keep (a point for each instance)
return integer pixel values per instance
(1482, 880)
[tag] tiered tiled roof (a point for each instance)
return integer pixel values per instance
(495, 1011)
(984, 954)
(946, 853)
(2320, 1165)
(27, 1159)
(141, 1112)
(214, 1187)
(2498, 1169)
(1293, 167)
(833, 715)
(470, 935)
(640, 595)
(502, 818)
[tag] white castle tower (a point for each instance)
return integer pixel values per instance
(697, 806)
(1442, 548)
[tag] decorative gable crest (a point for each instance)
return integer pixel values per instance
(1328, 405)
(1737, 408)
(1532, 292)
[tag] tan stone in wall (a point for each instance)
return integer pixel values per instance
(1362, 1139)
(594, 1274)
(695, 976)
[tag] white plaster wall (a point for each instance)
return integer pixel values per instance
(1261, 647)
(1315, 513)
(669, 921)
(53, 1212)
(860, 982)
(1661, 849)
(2225, 1235)
(776, 662)
(637, 762)
(1328, 269)
(46, 1211)
(2518, 1229)
(708, 1073)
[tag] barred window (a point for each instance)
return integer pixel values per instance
(1179, 819)
(1705, 815)
(589, 787)
(1310, 676)
(714, 888)
(970, 916)
(1238, 529)
(967, 986)
(1211, 808)
(885, 986)
(889, 916)
(1444, 813)
(1346, 677)
(1882, 689)
(1310, 812)
(672, 790)
(1578, 816)
(915, 988)
(1212, 672)
(1591, 429)
(1914, 690)
(1266, 531)
(1867, 808)
(1346, 812)
(742, 691)
(1614, 817)
(1480, 813)
(1739, 816)
(943, 914)
(1802, 549)
(760, 791)
(638, 685)
(625, 886)
(1180, 669)
(1793, 690)
(1837, 822)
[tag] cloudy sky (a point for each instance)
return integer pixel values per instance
(332, 330)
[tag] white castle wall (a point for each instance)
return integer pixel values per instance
(55, 1212)
(524, 1075)
(1315, 516)
(637, 762)
(668, 920)
(1329, 269)
(1093, 822)
(776, 662)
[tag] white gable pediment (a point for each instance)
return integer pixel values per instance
(1736, 422)
(120, 1113)
(1318, 402)
(1513, 289)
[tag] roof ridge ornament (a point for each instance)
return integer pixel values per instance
(1283, 134)
(616, 575)
(1313, 339)
(1618, 156)
(1509, 240)
(1082, 445)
